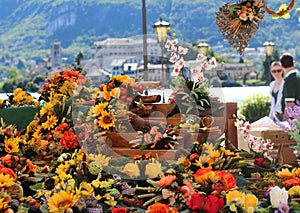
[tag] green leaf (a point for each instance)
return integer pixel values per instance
(36, 186)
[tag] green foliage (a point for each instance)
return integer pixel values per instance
(255, 107)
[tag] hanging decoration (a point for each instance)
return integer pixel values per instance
(238, 22)
(282, 12)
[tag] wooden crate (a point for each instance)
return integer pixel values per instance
(283, 143)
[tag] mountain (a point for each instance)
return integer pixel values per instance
(27, 27)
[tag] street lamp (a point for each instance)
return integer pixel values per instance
(269, 48)
(161, 29)
(203, 48)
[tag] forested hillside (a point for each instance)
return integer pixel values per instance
(27, 27)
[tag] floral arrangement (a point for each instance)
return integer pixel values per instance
(159, 137)
(258, 146)
(216, 157)
(19, 98)
(112, 101)
(245, 13)
(51, 131)
(189, 93)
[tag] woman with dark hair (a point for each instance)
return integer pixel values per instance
(276, 88)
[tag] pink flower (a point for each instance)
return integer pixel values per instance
(147, 138)
(154, 130)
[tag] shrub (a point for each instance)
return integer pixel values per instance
(255, 107)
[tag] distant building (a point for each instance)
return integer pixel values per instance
(56, 59)
(232, 71)
(122, 48)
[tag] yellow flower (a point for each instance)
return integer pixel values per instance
(132, 170)
(106, 120)
(48, 107)
(102, 159)
(285, 173)
(204, 161)
(12, 145)
(208, 147)
(3, 204)
(61, 201)
(294, 191)
(152, 170)
(115, 93)
(50, 123)
(6, 180)
(62, 168)
(86, 189)
(232, 207)
(236, 196)
(282, 12)
(296, 171)
(98, 109)
(250, 203)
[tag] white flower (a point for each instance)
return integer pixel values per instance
(200, 57)
(182, 50)
(168, 44)
(278, 196)
(213, 62)
(180, 63)
(176, 71)
(174, 58)
(174, 41)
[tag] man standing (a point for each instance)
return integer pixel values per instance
(291, 89)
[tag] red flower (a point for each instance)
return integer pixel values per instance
(259, 161)
(213, 204)
(119, 210)
(196, 202)
(69, 140)
(158, 208)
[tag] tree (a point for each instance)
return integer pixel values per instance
(78, 58)
(13, 73)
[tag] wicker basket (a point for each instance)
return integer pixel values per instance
(283, 143)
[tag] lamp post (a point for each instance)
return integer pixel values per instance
(203, 47)
(161, 30)
(145, 57)
(269, 48)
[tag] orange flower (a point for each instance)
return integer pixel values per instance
(295, 181)
(202, 174)
(74, 76)
(166, 181)
(8, 171)
(69, 140)
(30, 166)
(159, 208)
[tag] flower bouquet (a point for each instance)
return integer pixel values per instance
(191, 89)
(259, 159)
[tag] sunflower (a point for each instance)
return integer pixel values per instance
(48, 107)
(3, 204)
(62, 201)
(86, 189)
(12, 145)
(204, 161)
(97, 110)
(6, 180)
(50, 123)
(106, 120)
(285, 173)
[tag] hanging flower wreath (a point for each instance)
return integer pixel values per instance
(282, 12)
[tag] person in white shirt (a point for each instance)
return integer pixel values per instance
(276, 89)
